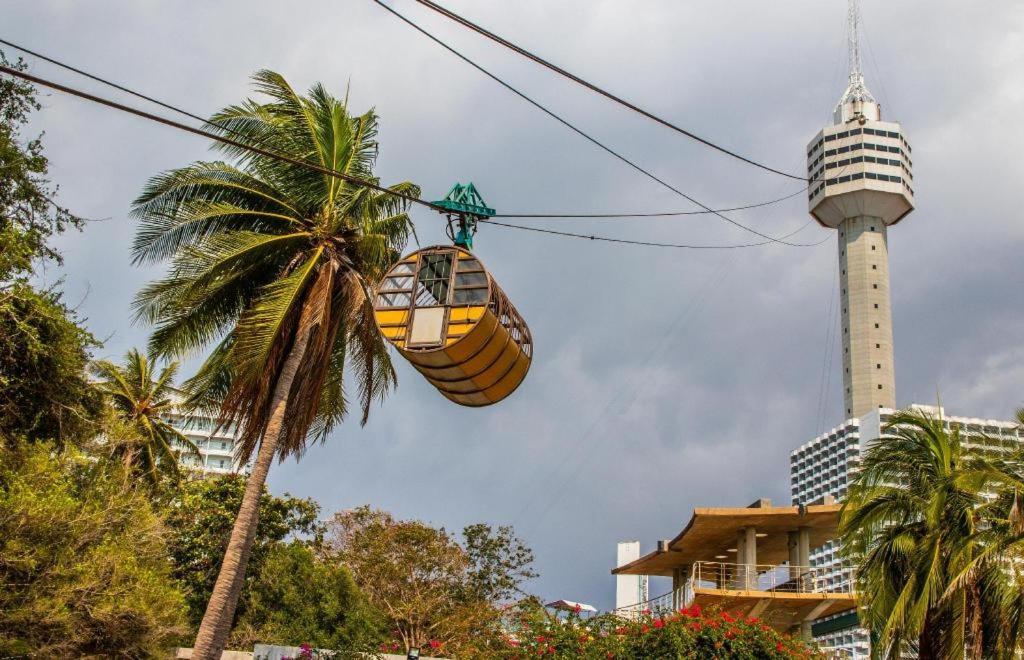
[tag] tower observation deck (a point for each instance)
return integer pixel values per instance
(860, 172)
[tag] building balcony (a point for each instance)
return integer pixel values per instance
(783, 596)
(713, 562)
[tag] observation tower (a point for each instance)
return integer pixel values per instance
(860, 173)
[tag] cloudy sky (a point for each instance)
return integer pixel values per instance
(663, 379)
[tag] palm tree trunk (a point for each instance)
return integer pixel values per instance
(220, 611)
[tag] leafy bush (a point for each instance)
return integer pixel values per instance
(689, 633)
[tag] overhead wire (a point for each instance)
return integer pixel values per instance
(217, 138)
(594, 88)
(319, 168)
(662, 214)
(578, 130)
(192, 115)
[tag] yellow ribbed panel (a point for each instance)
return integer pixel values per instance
(477, 360)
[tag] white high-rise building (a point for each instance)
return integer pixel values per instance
(216, 446)
(823, 468)
(860, 172)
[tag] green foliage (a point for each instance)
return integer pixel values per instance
(499, 562)
(28, 216)
(83, 561)
(141, 399)
(297, 597)
(689, 633)
(263, 252)
(200, 517)
(929, 523)
(44, 394)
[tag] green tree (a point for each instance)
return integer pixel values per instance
(914, 523)
(200, 517)
(499, 562)
(142, 400)
(298, 598)
(276, 263)
(431, 588)
(44, 393)
(83, 562)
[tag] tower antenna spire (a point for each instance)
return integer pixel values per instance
(853, 27)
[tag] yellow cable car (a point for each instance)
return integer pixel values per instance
(444, 313)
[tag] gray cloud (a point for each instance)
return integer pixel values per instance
(663, 379)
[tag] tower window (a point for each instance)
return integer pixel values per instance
(874, 286)
(878, 366)
(878, 345)
(879, 386)
(876, 305)
(874, 267)
(872, 247)
(876, 325)
(872, 229)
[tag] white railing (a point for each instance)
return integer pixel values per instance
(746, 577)
(782, 579)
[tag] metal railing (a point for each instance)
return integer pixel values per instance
(782, 579)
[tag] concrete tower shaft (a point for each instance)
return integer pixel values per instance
(869, 380)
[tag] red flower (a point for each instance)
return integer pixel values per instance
(645, 628)
(753, 619)
(778, 647)
(610, 655)
(727, 617)
(621, 630)
(540, 638)
(434, 644)
(658, 623)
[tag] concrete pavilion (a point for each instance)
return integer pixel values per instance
(751, 562)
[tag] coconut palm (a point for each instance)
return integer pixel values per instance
(915, 524)
(143, 400)
(272, 265)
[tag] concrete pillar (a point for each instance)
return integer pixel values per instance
(793, 544)
(803, 556)
(746, 558)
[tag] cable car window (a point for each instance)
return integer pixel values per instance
(394, 299)
(468, 296)
(403, 283)
(402, 269)
(469, 264)
(470, 279)
(435, 272)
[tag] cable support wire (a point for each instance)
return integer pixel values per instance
(581, 132)
(255, 149)
(192, 115)
(594, 88)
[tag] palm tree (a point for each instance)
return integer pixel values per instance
(915, 522)
(273, 264)
(142, 400)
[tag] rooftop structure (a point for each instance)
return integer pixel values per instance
(751, 562)
(629, 589)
